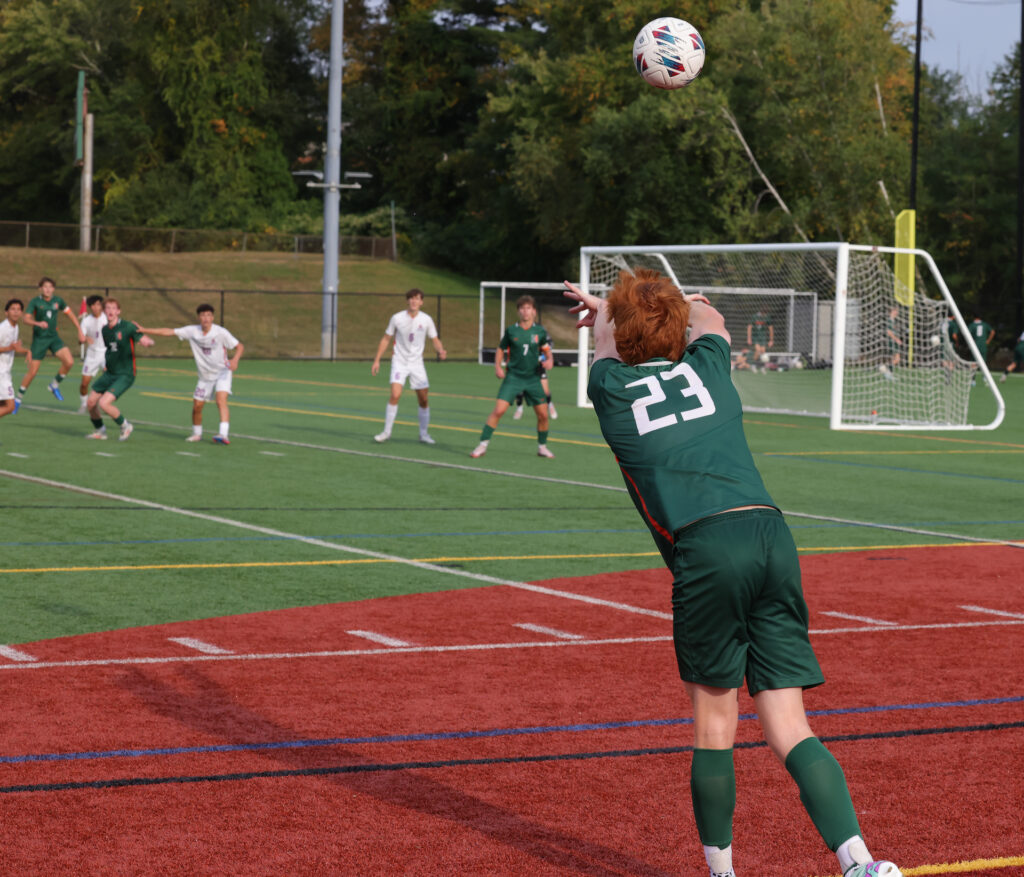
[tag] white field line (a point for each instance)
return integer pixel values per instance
(271, 454)
(380, 639)
(102, 454)
(19, 456)
(187, 454)
(992, 611)
(863, 618)
(200, 646)
(549, 631)
(474, 647)
(333, 546)
(13, 654)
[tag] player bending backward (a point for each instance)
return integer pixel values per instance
(670, 413)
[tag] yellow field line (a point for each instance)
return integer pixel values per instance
(963, 867)
(480, 559)
(332, 414)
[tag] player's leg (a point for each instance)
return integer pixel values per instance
(32, 363)
(535, 396)
(6, 406)
(423, 411)
(222, 390)
(500, 407)
(398, 377)
(63, 354)
(118, 387)
(552, 413)
(518, 413)
(92, 406)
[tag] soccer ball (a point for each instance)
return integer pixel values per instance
(936, 340)
(668, 53)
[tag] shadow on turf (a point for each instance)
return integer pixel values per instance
(205, 706)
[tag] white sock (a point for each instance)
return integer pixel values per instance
(424, 420)
(390, 413)
(853, 852)
(224, 424)
(84, 399)
(719, 860)
(197, 430)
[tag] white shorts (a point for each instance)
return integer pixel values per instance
(93, 365)
(205, 390)
(414, 371)
(6, 386)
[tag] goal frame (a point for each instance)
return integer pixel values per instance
(841, 252)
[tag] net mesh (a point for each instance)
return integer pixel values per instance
(899, 364)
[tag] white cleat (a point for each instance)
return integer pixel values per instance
(382, 436)
(518, 413)
(100, 434)
(874, 869)
(82, 410)
(194, 437)
(426, 439)
(126, 430)
(479, 450)
(542, 451)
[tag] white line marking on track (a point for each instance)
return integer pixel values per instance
(187, 454)
(478, 647)
(380, 639)
(550, 631)
(863, 618)
(271, 454)
(992, 611)
(332, 546)
(200, 646)
(101, 454)
(19, 456)
(13, 654)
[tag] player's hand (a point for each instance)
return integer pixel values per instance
(374, 369)
(697, 296)
(442, 354)
(146, 341)
(233, 365)
(500, 372)
(587, 305)
(82, 339)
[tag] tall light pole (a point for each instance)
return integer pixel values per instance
(332, 177)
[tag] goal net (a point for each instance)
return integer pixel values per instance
(498, 309)
(822, 329)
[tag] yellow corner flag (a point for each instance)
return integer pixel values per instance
(906, 223)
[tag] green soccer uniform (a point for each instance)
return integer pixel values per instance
(980, 330)
(760, 328)
(676, 429)
(45, 338)
(523, 346)
(119, 340)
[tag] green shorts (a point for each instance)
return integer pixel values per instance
(40, 346)
(1018, 354)
(530, 387)
(738, 609)
(116, 385)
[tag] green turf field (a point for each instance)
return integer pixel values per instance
(304, 508)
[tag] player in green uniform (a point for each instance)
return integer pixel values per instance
(1018, 359)
(893, 344)
(523, 342)
(670, 413)
(119, 337)
(760, 336)
(41, 314)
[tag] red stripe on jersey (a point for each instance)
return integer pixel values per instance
(131, 344)
(643, 505)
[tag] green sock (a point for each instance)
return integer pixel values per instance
(21, 391)
(542, 436)
(119, 420)
(713, 790)
(823, 791)
(487, 433)
(97, 422)
(59, 377)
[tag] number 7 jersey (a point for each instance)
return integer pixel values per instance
(676, 429)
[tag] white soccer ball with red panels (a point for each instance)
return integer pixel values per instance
(668, 53)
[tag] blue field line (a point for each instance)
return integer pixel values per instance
(470, 735)
(931, 473)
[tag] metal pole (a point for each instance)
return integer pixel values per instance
(332, 178)
(85, 209)
(1020, 178)
(917, 107)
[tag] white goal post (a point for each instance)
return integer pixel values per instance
(498, 309)
(824, 330)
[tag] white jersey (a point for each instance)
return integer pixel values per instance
(210, 350)
(410, 334)
(8, 335)
(92, 327)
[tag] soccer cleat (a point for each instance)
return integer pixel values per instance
(874, 869)
(82, 409)
(518, 412)
(426, 439)
(382, 436)
(1002, 380)
(195, 437)
(17, 405)
(551, 411)
(542, 451)
(479, 450)
(53, 388)
(100, 434)
(126, 430)
(221, 439)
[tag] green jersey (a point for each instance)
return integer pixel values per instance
(524, 347)
(980, 330)
(760, 329)
(676, 429)
(120, 343)
(47, 311)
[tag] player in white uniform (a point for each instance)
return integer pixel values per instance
(210, 345)
(9, 345)
(410, 330)
(95, 350)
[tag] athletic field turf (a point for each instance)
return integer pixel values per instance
(515, 708)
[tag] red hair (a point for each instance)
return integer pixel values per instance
(650, 317)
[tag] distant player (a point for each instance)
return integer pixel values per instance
(41, 314)
(9, 345)
(761, 337)
(119, 339)
(1018, 359)
(522, 344)
(409, 329)
(95, 353)
(893, 344)
(210, 346)
(669, 411)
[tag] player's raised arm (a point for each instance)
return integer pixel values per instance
(592, 311)
(167, 333)
(705, 320)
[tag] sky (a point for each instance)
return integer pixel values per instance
(969, 37)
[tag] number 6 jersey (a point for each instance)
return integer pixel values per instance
(676, 429)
